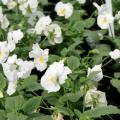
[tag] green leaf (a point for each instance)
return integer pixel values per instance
(76, 15)
(31, 105)
(43, 2)
(116, 83)
(14, 103)
(13, 116)
(92, 35)
(30, 84)
(53, 58)
(64, 52)
(39, 116)
(78, 113)
(74, 97)
(51, 98)
(2, 115)
(89, 22)
(101, 111)
(117, 74)
(73, 62)
(64, 110)
(3, 81)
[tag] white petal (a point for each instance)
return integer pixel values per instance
(11, 88)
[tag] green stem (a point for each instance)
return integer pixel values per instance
(35, 94)
(105, 58)
(43, 41)
(107, 63)
(92, 13)
(46, 106)
(107, 76)
(110, 117)
(111, 31)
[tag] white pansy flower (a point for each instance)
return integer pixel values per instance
(54, 34)
(95, 98)
(115, 54)
(14, 69)
(65, 10)
(42, 23)
(97, 71)
(4, 52)
(55, 76)
(28, 6)
(13, 38)
(40, 57)
(82, 1)
(104, 20)
(11, 4)
(3, 20)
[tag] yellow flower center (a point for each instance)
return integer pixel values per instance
(1, 94)
(41, 59)
(62, 12)
(53, 78)
(1, 54)
(104, 20)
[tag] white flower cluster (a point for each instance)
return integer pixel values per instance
(8, 46)
(26, 6)
(16, 68)
(10, 67)
(57, 73)
(51, 30)
(94, 97)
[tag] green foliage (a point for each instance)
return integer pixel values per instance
(13, 116)
(31, 104)
(2, 115)
(2, 81)
(89, 22)
(84, 45)
(101, 111)
(30, 84)
(73, 62)
(14, 104)
(73, 97)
